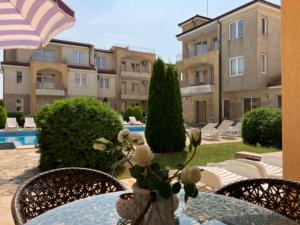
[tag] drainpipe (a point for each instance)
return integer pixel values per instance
(220, 71)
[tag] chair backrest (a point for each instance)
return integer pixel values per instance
(209, 126)
(272, 160)
(11, 122)
(280, 196)
(57, 187)
(29, 120)
(132, 119)
(259, 166)
(243, 169)
(225, 125)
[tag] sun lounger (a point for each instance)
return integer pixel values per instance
(133, 121)
(266, 170)
(275, 160)
(224, 127)
(11, 123)
(29, 122)
(209, 131)
(217, 177)
(233, 131)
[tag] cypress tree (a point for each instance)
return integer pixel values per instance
(164, 129)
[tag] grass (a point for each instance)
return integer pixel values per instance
(205, 154)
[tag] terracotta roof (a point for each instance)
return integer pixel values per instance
(15, 64)
(81, 67)
(107, 71)
(230, 12)
(82, 44)
(194, 17)
(275, 83)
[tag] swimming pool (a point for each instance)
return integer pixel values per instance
(136, 129)
(19, 137)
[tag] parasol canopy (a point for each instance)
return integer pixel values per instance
(32, 23)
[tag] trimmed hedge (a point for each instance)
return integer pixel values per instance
(69, 129)
(19, 116)
(3, 117)
(138, 113)
(263, 126)
(128, 112)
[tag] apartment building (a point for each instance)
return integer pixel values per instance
(34, 78)
(230, 64)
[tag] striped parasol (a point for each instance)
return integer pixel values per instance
(32, 23)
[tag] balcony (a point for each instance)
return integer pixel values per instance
(50, 89)
(211, 57)
(197, 90)
(134, 95)
(143, 73)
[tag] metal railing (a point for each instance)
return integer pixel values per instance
(40, 85)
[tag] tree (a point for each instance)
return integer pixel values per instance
(164, 128)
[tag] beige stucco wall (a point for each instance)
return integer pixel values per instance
(89, 90)
(110, 62)
(110, 92)
(10, 80)
(291, 91)
(251, 47)
(67, 54)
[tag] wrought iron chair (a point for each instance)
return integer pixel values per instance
(57, 187)
(280, 196)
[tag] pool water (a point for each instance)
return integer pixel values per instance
(23, 137)
(136, 129)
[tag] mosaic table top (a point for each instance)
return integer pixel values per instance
(208, 209)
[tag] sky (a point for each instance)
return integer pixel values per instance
(150, 25)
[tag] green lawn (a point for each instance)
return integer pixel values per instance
(205, 154)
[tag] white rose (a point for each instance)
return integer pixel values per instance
(103, 141)
(191, 175)
(136, 138)
(195, 136)
(100, 147)
(123, 134)
(143, 156)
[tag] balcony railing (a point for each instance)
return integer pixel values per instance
(48, 60)
(50, 89)
(197, 89)
(143, 72)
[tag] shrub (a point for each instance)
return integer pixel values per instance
(2, 103)
(128, 112)
(19, 116)
(164, 129)
(138, 113)
(68, 130)
(263, 126)
(3, 117)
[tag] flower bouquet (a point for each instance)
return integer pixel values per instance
(154, 199)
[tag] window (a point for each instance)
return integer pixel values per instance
(101, 62)
(215, 43)
(236, 66)
(78, 57)
(264, 63)
(201, 48)
(19, 105)
(197, 77)
(80, 80)
(251, 103)
(43, 55)
(236, 29)
(104, 83)
(19, 77)
(264, 26)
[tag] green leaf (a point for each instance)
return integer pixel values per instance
(191, 190)
(164, 174)
(141, 182)
(155, 167)
(153, 183)
(165, 190)
(186, 198)
(176, 187)
(137, 171)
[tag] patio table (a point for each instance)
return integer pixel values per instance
(207, 208)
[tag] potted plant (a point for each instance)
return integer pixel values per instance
(155, 192)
